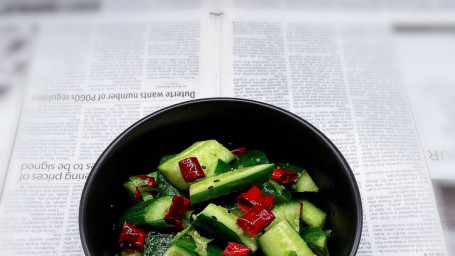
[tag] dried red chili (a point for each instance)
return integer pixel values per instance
(234, 249)
(283, 176)
(137, 194)
(238, 151)
(253, 197)
(191, 169)
(132, 238)
(255, 220)
(175, 214)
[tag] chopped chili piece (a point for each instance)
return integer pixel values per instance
(143, 177)
(175, 214)
(234, 249)
(283, 176)
(137, 194)
(253, 197)
(255, 220)
(191, 169)
(132, 238)
(238, 151)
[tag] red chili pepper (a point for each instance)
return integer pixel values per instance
(238, 151)
(175, 214)
(253, 197)
(191, 169)
(255, 220)
(137, 194)
(234, 249)
(132, 238)
(283, 176)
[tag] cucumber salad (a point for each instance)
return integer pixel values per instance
(211, 201)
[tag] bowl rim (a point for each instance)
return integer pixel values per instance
(322, 136)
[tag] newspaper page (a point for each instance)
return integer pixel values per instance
(340, 75)
(430, 83)
(91, 78)
(15, 52)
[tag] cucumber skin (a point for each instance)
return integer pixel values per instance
(221, 189)
(272, 188)
(316, 239)
(222, 167)
(137, 214)
(250, 158)
(216, 228)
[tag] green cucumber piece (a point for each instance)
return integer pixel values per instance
(175, 250)
(316, 238)
(312, 215)
(281, 240)
(131, 254)
(303, 183)
(222, 167)
(187, 247)
(166, 189)
(229, 182)
(287, 211)
(272, 188)
(207, 152)
(216, 221)
(135, 182)
(157, 242)
(201, 242)
(150, 212)
(250, 158)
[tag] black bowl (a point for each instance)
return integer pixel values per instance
(283, 136)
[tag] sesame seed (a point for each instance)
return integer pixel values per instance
(216, 180)
(214, 217)
(210, 187)
(203, 167)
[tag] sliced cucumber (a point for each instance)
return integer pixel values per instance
(287, 211)
(216, 221)
(165, 188)
(316, 238)
(250, 158)
(207, 152)
(303, 183)
(272, 188)
(229, 182)
(187, 247)
(131, 254)
(157, 242)
(150, 212)
(312, 215)
(175, 250)
(282, 239)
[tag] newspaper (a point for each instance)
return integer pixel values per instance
(91, 76)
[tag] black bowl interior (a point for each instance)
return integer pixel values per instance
(235, 123)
